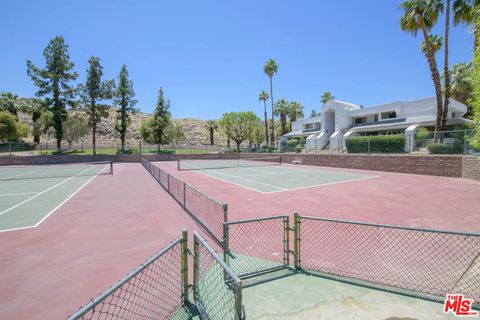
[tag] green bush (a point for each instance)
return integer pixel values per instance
(382, 143)
(444, 148)
(421, 136)
(298, 149)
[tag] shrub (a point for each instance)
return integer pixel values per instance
(382, 143)
(298, 149)
(444, 148)
(421, 136)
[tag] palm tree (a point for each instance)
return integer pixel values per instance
(446, 68)
(327, 96)
(36, 108)
(281, 109)
(270, 68)
(295, 111)
(461, 76)
(11, 102)
(263, 96)
(422, 15)
(211, 126)
(464, 12)
(435, 41)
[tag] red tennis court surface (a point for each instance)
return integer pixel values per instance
(389, 198)
(116, 222)
(108, 228)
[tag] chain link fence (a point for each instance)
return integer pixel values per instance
(208, 212)
(253, 247)
(154, 290)
(426, 263)
(217, 290)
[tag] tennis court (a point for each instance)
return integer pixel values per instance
(268, 174)
(29, 194)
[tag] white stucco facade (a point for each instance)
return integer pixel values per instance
(339, 120)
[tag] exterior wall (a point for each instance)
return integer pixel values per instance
(299, 124)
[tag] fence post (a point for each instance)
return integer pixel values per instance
(184, 195)
(238, 300)
(225, 234)
(368, 145)
(286, 241)
(296, 241)
(465, 141)
(9, 148)
(184, 245)
(196, 266)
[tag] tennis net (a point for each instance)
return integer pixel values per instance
(55, 170)
(207, 164)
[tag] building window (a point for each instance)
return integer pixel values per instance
(309, 126)
(360, 120)
(389, 115)
(376, 118)
(454, 115)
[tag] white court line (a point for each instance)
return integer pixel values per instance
(325, 184)
(55, 209)
(42, 192)
(17, 175)
(228, 181)
(251, 181)
(17, 194)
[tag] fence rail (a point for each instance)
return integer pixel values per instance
(427, 263)
(217, 289)
(153, 290)
(208, 212)
(257, 246)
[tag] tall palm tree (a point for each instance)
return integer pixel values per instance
(270, 68)
(263, 96)
(446, 72)
(281, 109)
(327, 96)
(422, 15)
(464, 12)
(295, 111)
(211, 126)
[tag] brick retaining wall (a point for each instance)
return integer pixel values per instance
(471, 167)
(448, 166)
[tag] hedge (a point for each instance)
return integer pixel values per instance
(444, 148)
(381, 143)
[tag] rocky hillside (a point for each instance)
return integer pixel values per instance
(195, 131)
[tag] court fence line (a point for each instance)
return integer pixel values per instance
(208, 212)
(217, 290)
(159, 288)
(422, 263)
(257, 246)
(154, 289)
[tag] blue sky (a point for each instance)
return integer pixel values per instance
(208, 55)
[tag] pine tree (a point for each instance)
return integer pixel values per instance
(161, 118)
(53, 82)
(124, 99)
(94, 91)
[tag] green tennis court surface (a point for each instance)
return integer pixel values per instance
(29, 194)
(308, 297)
(267, 175)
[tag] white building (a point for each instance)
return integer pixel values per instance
(339, 120)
